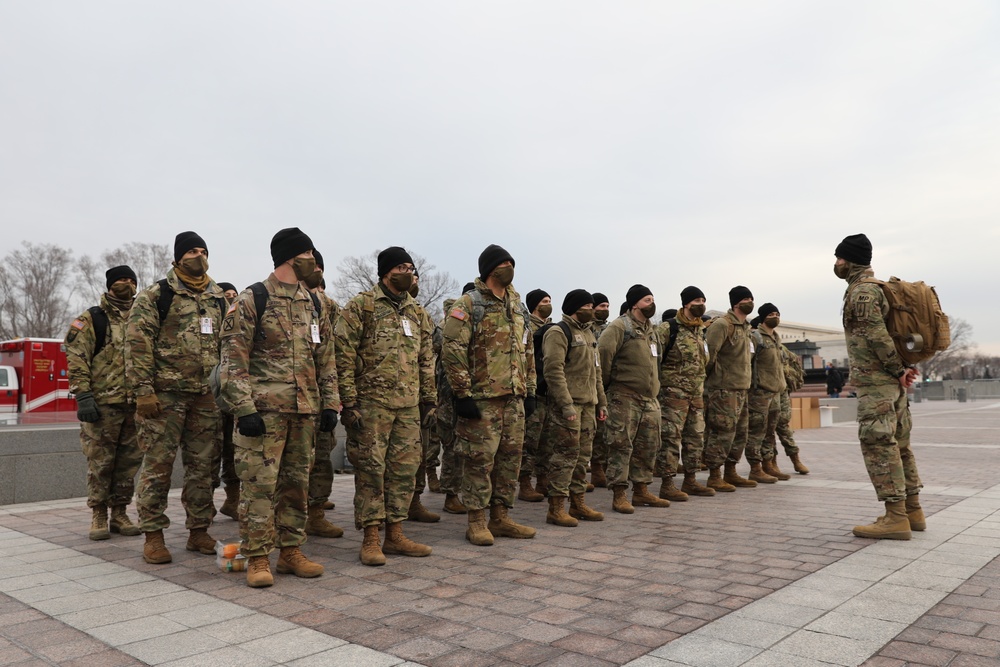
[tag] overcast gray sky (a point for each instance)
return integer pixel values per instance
(601, 143)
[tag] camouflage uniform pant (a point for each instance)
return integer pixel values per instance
(274, 470)
(763, 407)
(490, 450)
(570, 444)
(533, 458)
(385, 455)
(421, 479)
(682, 430)
(633, 436)
(113, 456)
(884, 430)
(727, 418)
(599, 447)
(224, 456)
(784, 428)
(451, 461)
(189, 422)
(432, 449)
(321, 473)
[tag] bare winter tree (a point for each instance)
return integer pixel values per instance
(150, 261)
(34, 297)
(358, 274)
(958, 353)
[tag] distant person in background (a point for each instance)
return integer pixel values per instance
(834, 381)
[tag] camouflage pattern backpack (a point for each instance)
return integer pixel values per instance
(915, 322)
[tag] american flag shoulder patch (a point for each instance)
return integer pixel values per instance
(458, 314)
(78, 324)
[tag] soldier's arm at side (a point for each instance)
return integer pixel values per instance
(347, 337)
(554, 346)
(456, 333)
(870, 309)
(607, 348)
(80, 341)
(140, 334)
(326, 366)
(428, 383)
(531, 375)
(715, 336)
(238, 329)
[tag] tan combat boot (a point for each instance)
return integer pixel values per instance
(259, 572)
(798, 465)
(734, 478)
(398, 544)
(154, 551)
(557, 513)
(642, 497)
(620, 501)
(231, 506)
(453, 505)
(99, 523)
(716, 483)
(915, 513)
(120, 523)
(772, 469)
(420, 513)
(329, 505)
(693, 488)
(501, 525)
(199, 540)
(318, 526)
(670, 492)
(293, 561)
(477, 533)
(371, 550)
(893, 525)
(578, 509)
(597, 476)
(757, 474)
(433, 483)
(526, 492)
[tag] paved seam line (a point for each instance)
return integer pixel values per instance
(846, 612)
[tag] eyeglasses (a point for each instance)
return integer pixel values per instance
(406, 268)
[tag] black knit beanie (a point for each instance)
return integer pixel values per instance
(116, 273)
(392, 257)
(636, 293)
(288, 243)
(535, 297)
(491, 258)
(767, 309)
(468, 287)
(186, 241)
(576, 300)
(623, 309)
(739, 293)
(690, 293)
(855, 248)
(668, 313)
(319, 259)
(225, 287)
(600, 298)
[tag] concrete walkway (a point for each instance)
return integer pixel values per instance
(769, 576)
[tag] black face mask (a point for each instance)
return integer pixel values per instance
(772, 322)
(504, 275)
(303, 267)
(841, 270)
(746, 307)
(648, 311)
(697, 309)
(544, 311)
(602, 315)
(414, 290)
(312, 281)
(584, 316)
(401, 282)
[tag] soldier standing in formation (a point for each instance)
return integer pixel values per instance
(794, 378)
(533, 456)
(224, 454)
(599, 449)
(767, 382)
(575, 396)
(629, 355)
(881, 379)
(277, 375)
(95, 357)
(385, 363)
(489, 359)
(173, 339)
(682, 401)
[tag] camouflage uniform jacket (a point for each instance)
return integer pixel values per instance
(537, 323)
(874, 360)
(794, 375)
(277, 368)
(331, 309)
(443, 388)
(385, 351)
(768, 367)
(631, 361)
(578, 378)
(103, 374)
(599, 327)
(174, 355)
(491, 358)
(729, 352)
(683, 369)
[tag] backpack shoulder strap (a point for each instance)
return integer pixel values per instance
(566, 332)
(166, 298)
(101, 327)
(478, 308)
(259, 305)
(674, 329)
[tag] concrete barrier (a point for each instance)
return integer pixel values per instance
(846, 409)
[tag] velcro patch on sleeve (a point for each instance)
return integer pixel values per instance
(458, 314)
(232, 308)
(78, 324)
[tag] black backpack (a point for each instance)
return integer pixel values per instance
(260, 304)
(542, 387)
(102, 327)
(167, 297)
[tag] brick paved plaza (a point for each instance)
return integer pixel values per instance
(768, 576)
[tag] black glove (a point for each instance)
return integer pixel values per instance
(251, 426)
(530, 403)
(86, 408)
(351, 416)
(327, 421)
(428, 415)
(467, 408)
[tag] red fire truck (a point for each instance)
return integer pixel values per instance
(33, 376)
